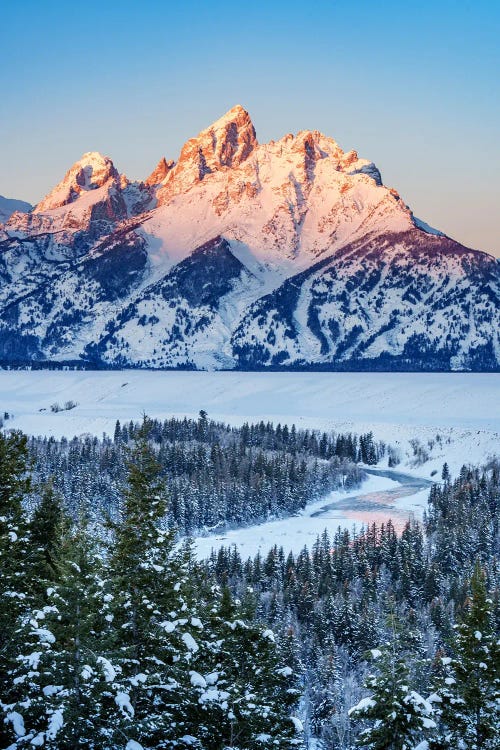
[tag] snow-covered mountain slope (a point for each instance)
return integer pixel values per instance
(9, 205)
(240, 254)
(397, 300)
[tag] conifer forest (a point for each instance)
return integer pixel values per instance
(114, 635)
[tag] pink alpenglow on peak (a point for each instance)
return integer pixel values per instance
(224, 145)
(159, 173)
(90, 172)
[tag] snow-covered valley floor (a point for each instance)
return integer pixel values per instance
(428, 418)
(462, 408)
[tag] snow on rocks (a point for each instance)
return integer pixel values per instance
(90, 172)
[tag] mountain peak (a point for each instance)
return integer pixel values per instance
(226, 143)
(236, 114)
(159, 172)
(93, 157)
(90, 172)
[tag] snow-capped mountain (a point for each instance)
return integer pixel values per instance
(240, 254)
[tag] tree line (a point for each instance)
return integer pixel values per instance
(216, 475)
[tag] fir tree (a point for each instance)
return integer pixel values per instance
(61, 676)
(246, 692)
(155, 627)
(445, 701)
(475, 720)
(15, 483)
(47, 528)
(398, 716)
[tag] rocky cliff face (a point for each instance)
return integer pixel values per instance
(240, 254)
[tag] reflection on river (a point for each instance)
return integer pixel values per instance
(376, 507)
(387, 494)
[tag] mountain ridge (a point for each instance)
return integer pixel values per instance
(242, 255)
(9, 205)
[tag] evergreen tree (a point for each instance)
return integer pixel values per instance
(246, 692)
(445, 473)
(155, 622)
(46, 531)
(475, 669)
(14, 591)
(445, 701)
(398, 716)
(61, 676)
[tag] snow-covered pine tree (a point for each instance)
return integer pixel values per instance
(398, 717)
(445, 701)
(245, 691)
(14, 594)
(48, 527)
(474, 721)
(155, 621)
(62, 679)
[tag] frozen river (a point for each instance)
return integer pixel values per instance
(386, 494)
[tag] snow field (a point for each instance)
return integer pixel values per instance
(462, 409)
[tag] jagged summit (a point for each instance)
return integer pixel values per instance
(316, 146)
(159, 173)
(234, 114)
(229, 145)
(90, 172)
(225, 144)
(298, 197)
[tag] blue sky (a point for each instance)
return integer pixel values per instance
(412, 86)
